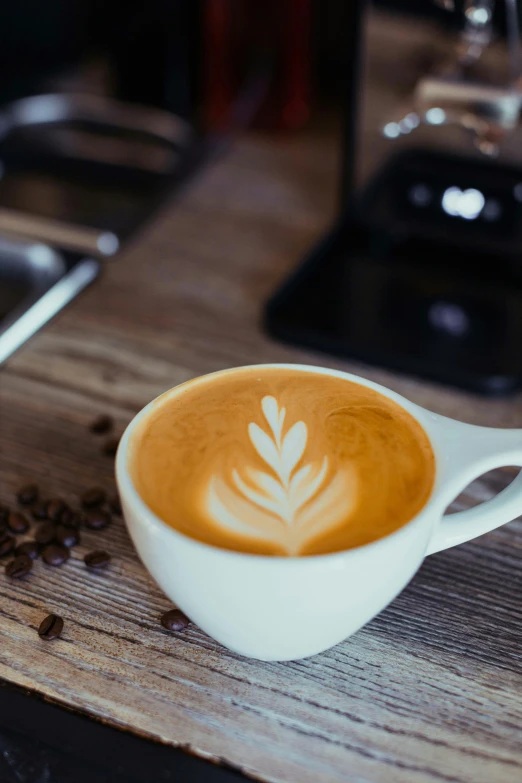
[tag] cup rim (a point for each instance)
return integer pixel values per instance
(129, 491)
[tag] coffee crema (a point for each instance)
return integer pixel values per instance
(281, 461)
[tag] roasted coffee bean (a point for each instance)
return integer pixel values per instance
(115, 505)
(75, 520)
(28, 548)
(110, 447)
(101, 424)
(68, 536)
(71, 518)
(174, 620)
(27, 495)
(45, 534)
(39, 511)
(7, 544)
(55, 554)
(97, 559)
(19, 567)
(51, 627)
(4, 513)
(17, 523)
(55, 509)
(92, 498)
(67, 517)
(97, 519)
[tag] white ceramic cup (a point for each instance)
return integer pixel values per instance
(282, 608)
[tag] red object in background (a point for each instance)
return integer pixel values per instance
(253, 41)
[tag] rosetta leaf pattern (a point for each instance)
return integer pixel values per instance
(290, 492)
(285, 492)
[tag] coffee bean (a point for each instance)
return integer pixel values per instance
(55, 509)
(68, 516)
(110, 447)
(19, 567)
(51, 627)
(174, 620)
(101, 424)
(4, 513)
(93, 497)
(68, 536)
(17, 523)
(45, 534)
(39, 511)
(55, 554)
(28, 548)
(97, 519)
(97, 559)
(7, 544)
(74, 519)
(115, 505)
(27, 495)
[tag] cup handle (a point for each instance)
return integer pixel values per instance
(466, 452)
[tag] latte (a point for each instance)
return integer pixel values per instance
(281, 461)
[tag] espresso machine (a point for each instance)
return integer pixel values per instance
(422, 272)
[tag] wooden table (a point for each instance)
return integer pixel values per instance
(429, 691)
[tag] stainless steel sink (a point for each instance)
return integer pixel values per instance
(78, 175)
(36, 281)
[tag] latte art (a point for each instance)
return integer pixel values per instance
(281, 461)
(286, 504)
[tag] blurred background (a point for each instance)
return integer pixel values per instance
(108, 107)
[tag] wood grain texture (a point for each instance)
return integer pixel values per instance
(429, 691)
